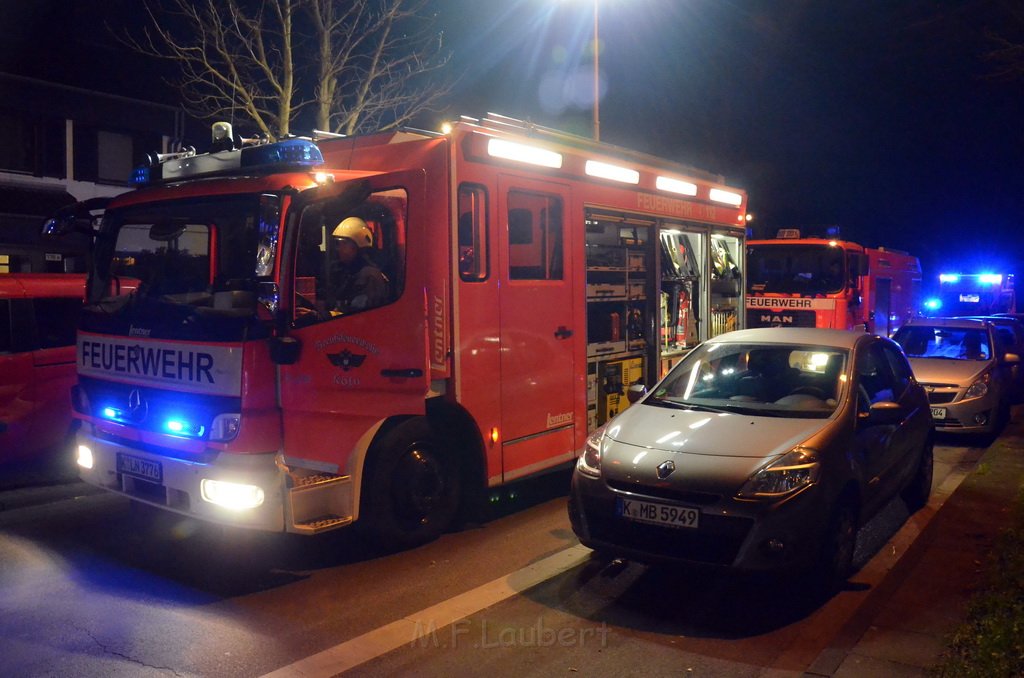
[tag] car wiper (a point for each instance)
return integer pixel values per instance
(693, 407)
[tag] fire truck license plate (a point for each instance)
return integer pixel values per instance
(938, 413)
(140, 468)
(658, 514)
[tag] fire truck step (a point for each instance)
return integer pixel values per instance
(321, 524)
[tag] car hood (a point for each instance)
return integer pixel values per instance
(711, 433)
(939, 371)
(711, 454)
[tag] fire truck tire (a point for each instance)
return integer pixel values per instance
(412, 488)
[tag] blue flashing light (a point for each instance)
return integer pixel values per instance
(990, 279)
(295, 152)
(933, 304)
(181, 427)
(110, 413)
(949, 277)
(142, 175)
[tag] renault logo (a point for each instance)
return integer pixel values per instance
(137, 407)
(665, 469)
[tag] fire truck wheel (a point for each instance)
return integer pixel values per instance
(412, 488)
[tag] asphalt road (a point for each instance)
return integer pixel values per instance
(91, 587)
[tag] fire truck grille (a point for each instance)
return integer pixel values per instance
(767, 317)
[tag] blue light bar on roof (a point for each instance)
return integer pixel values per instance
(990, 279)
(949, 277)
(288, 154)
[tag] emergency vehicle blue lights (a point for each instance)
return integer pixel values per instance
(933, 304)
(294, 152)
(949, 277)
(290, 153)
(990, 279)
(110, 413)
(181, 427)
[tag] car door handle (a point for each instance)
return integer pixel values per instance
(563, 332)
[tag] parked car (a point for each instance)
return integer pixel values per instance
(961, 366)
(38, 318)
(762, 450)
(1010, 339)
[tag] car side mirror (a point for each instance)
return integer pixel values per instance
(885, 412)
(1011, 358)
(635, 392)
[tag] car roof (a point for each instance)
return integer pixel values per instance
(979, 323)
(995, 319)
(793, 335)
(30, 285)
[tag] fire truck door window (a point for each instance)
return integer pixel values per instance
(56, 321)
(473, 247)
(534, 236)
(726, 276)
(350, 259)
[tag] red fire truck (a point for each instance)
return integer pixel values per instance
(511, 281)
(822, 282)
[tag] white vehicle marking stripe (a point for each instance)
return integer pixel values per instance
(411, 628)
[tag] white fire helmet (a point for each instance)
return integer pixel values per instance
(356, 230)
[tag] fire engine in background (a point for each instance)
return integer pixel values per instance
(973, 294)
(511, 281)
(817, 282)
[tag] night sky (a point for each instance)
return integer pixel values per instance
(880, 116)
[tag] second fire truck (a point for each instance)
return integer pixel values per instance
(521, 279)
(794, 281)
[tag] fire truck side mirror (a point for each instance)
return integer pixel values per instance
(284, 350)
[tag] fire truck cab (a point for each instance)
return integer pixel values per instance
(794, 281)
(378, 329)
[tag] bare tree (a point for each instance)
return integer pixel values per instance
(360, 65)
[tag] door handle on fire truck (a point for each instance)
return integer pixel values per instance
(408, 373)
(563, 332)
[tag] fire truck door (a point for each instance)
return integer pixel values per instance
(362, 333)
(537, 334)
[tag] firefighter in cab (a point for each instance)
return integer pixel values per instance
(356, 283)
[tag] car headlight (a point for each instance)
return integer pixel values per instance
(589, 462)
(792, 471)
(980, 387)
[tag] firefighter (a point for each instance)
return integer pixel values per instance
(356, 283)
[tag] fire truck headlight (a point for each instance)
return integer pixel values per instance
(225, 427)
(233, 496)
(84, 456)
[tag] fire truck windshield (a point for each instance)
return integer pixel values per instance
(799, 269)
(185, 252)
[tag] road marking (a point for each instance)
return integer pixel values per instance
(411, 628)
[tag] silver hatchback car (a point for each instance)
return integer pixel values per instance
(761, 450)
(965, 370)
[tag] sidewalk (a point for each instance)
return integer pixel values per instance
(903, 628)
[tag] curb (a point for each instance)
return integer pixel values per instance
(903, 628)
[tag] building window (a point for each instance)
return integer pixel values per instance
(114, 156)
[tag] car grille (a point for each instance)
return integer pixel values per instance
(940, 394)
(715, 542)
(686, 497)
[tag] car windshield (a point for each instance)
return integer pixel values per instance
(806, 269)
(776, 380)
(949, 343)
